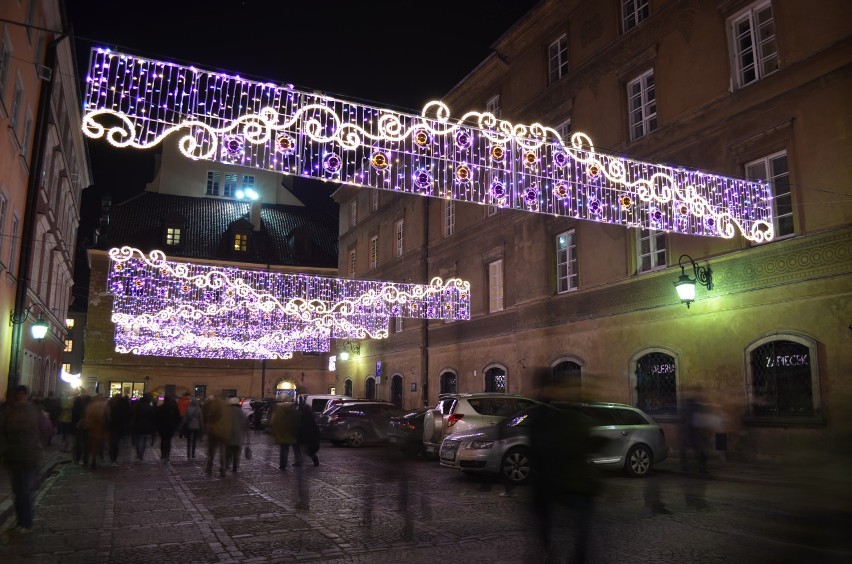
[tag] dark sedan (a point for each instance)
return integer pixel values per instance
(406, 432)
(358, 423)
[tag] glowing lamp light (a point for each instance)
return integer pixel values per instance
(685, 286)
(39, 329)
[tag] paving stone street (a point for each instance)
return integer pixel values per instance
(150, 511)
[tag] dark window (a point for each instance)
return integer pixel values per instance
(656, 384)
(201, 391)
(396, 390)
(495, 380)
(347, 387)
(781, 380)
(370, 388)
(567, 374)
(448, 383)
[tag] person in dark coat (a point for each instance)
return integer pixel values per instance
(53, 409)
(142, 423)
(119, 421)
(78, 409)
(191, 426)
(166, 419)
(20, 449)
(309, 433)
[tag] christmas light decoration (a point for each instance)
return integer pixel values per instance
(135, 102)
(168, 308)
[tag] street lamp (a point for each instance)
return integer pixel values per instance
(685, 285)
(350, 348)
(38, 329)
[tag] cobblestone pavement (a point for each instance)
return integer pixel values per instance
(150, 511)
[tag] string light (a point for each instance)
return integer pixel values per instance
(135, 102)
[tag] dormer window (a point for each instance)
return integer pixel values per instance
(241, 242)
(173, 236)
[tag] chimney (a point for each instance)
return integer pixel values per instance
(255, 214)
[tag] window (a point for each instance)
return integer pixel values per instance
(633, 12)
(449, 217)
(5, 63)
(495, 380)
(370, 388)
(495, 286)
(566, 375)
(69, 323)
(448, 383)
(229, 187)
(754, 51)
(642, 105)
(651, 250)
(783, 378)
(352, 263)
(200, 391)
(566, 262)
(397, 324)
(374, 252)
(492, 210)
(564, 131)
(13, 246)
(16, 106)
(248, 182)
(241, 242)
(27, 133)
(353, 213)
(557, 59)
(69, 345)
(374, 200)
(492, 106)
(400, 239)
(347, 387)
(212, 183)
(173, 236)
(774, 169)
(656, 384)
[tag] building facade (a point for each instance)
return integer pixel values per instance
(44, 167)
(193, 212)
(742, 88)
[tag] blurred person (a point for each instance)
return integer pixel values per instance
(119, 420)
(65, 430)
(142, 423)
(308, 436)
(239, 427)
(21, 451)
(652, 496)
(692, 439)
(94, 424)
(78, 408)
(191, 426)
(183, 403)
(166, 420)
(217, 426)
(284, 426)
(53, 408)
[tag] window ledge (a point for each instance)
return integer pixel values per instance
(770, 421)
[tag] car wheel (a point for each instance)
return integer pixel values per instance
(355, 438)
(516, 466)
(638, 462)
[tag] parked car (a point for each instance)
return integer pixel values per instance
(466, 412)
(406, 431)
(357, 423)
(320, 402)
(630, 440)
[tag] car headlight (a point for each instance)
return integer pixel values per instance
(476, 445)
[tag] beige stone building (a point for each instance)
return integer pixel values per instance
(753, 89)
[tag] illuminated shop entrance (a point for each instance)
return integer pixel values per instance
(133, 390)
(285, 390)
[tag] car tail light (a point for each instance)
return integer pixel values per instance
(410, 426)
(453, 419)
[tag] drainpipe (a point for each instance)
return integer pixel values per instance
(424, 324)
(31, 214)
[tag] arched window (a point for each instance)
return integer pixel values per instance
(448, 382)
(396, 390)
(370, 388)
(495, 380)
(782, 377)
(655, 382)
(566, 374)
(347, 387)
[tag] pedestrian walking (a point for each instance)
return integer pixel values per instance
(53, 408)
(78, 408)
(119, 421)
(217, 426)
(166, 420)
(191, 426)
(65, 431)
(239, 427)
(308, 436)
(142, 423)
(21, 451)
(284, 426)
(182, 404)
(692, 435)
(94, 424)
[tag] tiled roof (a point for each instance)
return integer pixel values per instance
(282, 240)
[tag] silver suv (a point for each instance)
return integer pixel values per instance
(456, 413)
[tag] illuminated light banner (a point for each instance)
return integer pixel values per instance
(168, 308)
(135, 102)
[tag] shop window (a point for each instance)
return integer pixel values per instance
(783, 377)
(495, 380)
(448, 383)
(655, 380)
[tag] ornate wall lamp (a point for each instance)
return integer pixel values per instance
(350, 348)
(685, 285)
(38, 329)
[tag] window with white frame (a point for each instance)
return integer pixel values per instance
(774, 168)
(352, 263)
(27, 134)
(557, 59)
(353, 213)
(783, 377)
(754, 49)
(229, 186)
(449, 217)
(651, 250)
(399, 228)
(642, 105)
(5, 63)
(495, 286)
(14, 113)
(566, 262)
(633, 12)
(492, 106)
(173, 236)
(564, 131)
(13, 245)
(4, 206)
(374, 252)
(213, 183)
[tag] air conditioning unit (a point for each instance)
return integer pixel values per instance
(44, 73)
